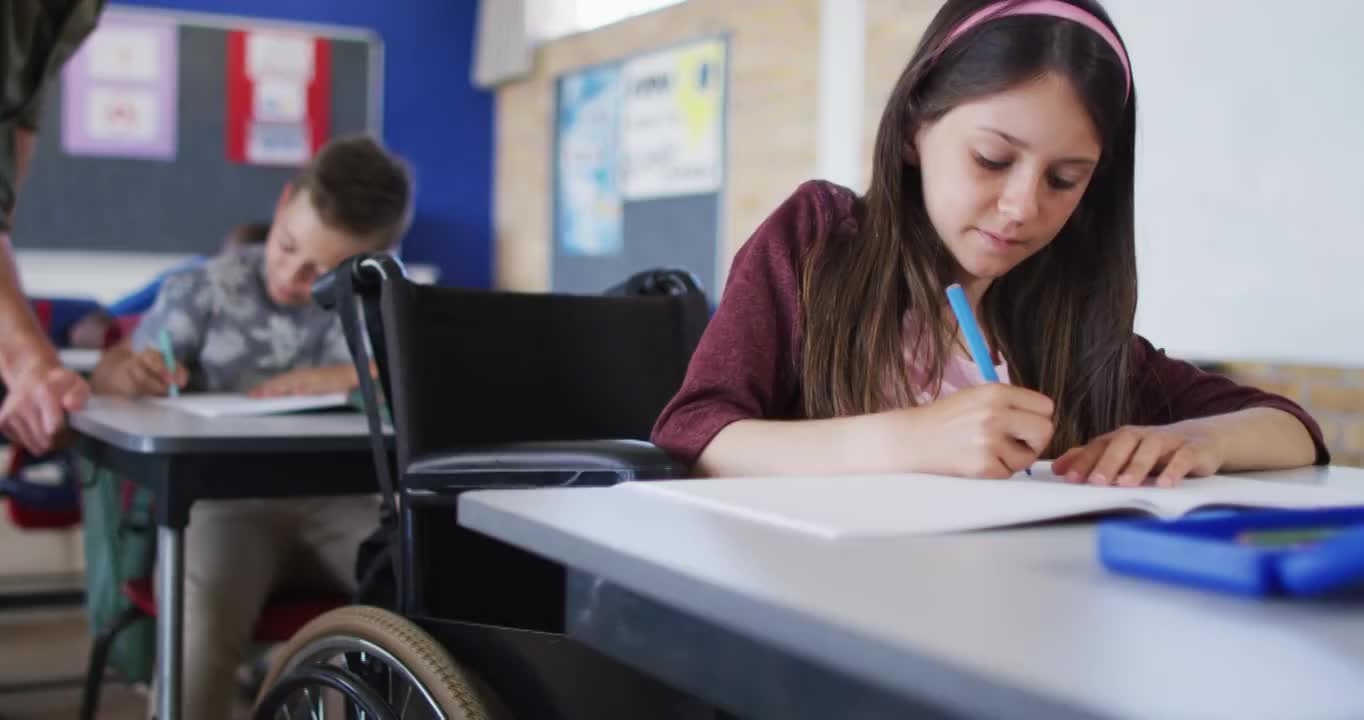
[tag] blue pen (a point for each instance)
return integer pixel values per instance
(169, 356)
(975, 342)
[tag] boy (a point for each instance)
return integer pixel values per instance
(244, 322)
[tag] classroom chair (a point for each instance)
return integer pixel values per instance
(38, 505)
(489, 389)
(58, 314)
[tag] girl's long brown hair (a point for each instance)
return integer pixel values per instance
(1062, 319)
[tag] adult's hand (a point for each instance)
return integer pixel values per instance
(36, 403)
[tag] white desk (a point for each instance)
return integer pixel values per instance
(1010, 623)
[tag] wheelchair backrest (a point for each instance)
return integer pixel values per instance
(478, 367)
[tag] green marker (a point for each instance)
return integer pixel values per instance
(169, 357)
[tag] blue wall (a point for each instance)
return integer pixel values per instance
(432, 115)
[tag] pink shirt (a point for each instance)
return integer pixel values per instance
(958, 373)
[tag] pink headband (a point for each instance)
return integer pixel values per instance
(1054, 8)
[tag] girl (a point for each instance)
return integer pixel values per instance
(1003, 162)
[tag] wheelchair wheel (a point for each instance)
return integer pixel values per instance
(364, 662)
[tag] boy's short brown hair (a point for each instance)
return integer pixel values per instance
(358, 187)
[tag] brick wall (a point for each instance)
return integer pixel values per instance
(1334, 396)
(893, 30)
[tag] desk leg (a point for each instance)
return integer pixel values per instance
(170, 610)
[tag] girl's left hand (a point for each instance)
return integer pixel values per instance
(1131, 454)
(310, 381)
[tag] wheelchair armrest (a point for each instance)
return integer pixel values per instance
(580, 462)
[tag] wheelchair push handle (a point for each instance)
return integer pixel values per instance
(367, 271)
(662, 281)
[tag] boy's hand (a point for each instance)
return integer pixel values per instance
(310, 381)
(131, 374)
(1130, 455)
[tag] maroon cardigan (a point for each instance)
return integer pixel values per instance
(748, 362)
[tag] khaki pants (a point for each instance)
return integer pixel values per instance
(240, 552)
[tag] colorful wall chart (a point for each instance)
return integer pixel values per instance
(119, 90)
(279, 96)
(589, 201)
(639, 129)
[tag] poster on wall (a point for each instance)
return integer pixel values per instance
(119, 91)
(279, 96)
(589, 201)
(671, 138)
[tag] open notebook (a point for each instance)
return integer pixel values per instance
(234, 404)
(887, 505)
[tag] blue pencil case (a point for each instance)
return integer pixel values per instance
(1279, 552)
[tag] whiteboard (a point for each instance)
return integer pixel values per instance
(1250, 177)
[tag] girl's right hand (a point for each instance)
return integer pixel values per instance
(987, 431)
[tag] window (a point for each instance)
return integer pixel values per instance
(550, 19)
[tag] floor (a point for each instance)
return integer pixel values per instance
(41, 666)
(44, 647)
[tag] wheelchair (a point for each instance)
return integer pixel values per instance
(487, 389)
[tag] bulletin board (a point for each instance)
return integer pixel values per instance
(183, 193)
(639, 166)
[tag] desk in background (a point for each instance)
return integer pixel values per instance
(1019, 623)
(183, 458)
